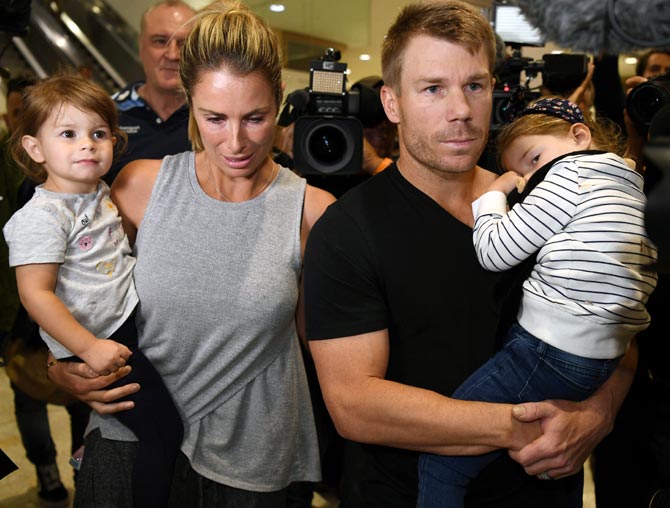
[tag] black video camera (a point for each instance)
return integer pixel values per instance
(646, 99)
(328, 140)
(561, 73)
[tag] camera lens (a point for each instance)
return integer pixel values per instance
(327, 144)
(646, 99)
(647, 102)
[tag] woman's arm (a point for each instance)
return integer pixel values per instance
(37, 284)
(131, 192)
(316, 202)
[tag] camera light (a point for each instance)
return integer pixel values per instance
(328, 82)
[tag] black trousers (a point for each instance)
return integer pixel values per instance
(155, 421)
(111, 487)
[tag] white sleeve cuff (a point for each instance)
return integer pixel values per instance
(490, 202)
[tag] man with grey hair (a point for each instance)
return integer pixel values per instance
(153, 112)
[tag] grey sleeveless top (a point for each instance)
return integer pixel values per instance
(218, 288)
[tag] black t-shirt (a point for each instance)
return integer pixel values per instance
(386, 256)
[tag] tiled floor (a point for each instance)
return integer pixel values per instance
(19, 489)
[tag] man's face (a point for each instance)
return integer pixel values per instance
(444, 107)
(14, 110)
(160, 41)
(658, 63)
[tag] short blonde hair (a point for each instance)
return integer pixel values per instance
(47, 97)
(450, 20)
(226, 34)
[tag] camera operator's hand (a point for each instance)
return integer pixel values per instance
(284, 139)
(372, 162)
(577, 97)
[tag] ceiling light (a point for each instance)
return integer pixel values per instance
(365, 57)
(631, 60)
(277, 7)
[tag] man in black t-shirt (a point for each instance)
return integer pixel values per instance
(398, 310)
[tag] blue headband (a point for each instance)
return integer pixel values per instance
(560, 108)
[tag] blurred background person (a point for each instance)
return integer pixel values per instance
(153, 113)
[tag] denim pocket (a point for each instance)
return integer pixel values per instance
(562, 375)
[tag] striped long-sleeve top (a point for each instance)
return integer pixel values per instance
(585, 222)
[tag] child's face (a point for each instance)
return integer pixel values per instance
(526, 154)
(75, 147)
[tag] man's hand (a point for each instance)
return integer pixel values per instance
(79, 380)
(571, 430)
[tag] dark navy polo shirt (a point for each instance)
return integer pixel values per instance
(149, 137)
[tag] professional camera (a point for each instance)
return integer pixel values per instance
(646, 99)
(328, 140)
(561, 73)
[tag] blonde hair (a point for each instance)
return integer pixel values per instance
(451, 20)
(47, 97)
(605, 134)
(226, 34)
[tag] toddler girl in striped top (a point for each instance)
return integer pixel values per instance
(580, 218)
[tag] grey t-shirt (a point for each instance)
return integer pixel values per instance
(83, 234)
(218, 284)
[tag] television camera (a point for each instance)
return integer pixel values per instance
(561, 73)
(328, 139)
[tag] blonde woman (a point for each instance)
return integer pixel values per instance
(219, 234)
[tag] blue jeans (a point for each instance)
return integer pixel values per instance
(524, 370)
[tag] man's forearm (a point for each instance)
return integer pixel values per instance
(401, 416)
(368, 408)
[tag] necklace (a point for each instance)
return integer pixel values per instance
(223, 196)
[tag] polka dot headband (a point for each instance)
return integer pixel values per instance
(560, 108)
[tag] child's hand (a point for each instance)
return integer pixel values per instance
(507, 182)
(106, 356)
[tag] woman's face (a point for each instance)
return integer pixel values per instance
(236, 117)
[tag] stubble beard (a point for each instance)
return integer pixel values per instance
(449, 164)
